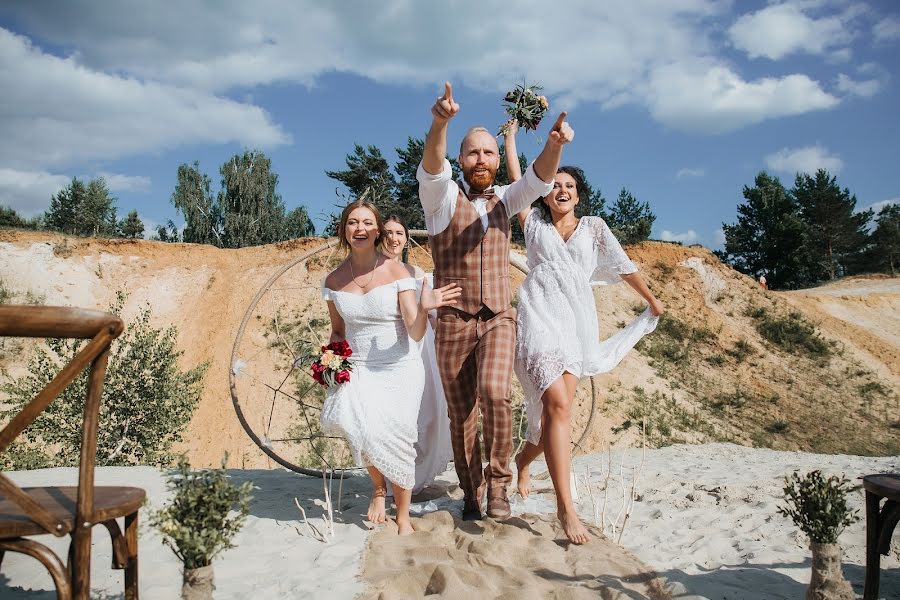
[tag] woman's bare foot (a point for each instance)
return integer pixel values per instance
(572, 525)
(523, 479)
(377, 513)
(404, 527)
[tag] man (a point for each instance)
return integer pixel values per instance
(469, 233)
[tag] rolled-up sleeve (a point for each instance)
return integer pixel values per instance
(437, 193)
(523, 192)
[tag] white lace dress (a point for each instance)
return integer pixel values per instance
(377, 410)
(557, 321)
(433, 450)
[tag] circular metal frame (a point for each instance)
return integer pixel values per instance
(266, 448)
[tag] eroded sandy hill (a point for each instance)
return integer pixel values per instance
(708, 375)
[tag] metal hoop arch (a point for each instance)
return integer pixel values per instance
(331, 243)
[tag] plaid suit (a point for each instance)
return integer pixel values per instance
(475, 341)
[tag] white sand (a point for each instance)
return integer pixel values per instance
(706, 521)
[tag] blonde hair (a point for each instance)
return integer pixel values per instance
(360, 202)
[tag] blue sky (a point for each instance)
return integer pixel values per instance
(680, 101)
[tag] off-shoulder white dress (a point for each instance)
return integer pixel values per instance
(377, 410)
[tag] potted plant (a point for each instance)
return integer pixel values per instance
(818, 506)
(198, 523)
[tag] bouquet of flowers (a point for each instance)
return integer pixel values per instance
(525, 106)
(334, 366)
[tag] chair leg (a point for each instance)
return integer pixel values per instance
(47, 558)
(131, 567)
(81, 562)
(119, 548)
(873, 558)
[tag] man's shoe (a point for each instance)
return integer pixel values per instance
(498, 504)
(471, 510)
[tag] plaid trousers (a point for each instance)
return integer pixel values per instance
(475, 359)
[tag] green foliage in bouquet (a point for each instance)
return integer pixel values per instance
(818, 506)
(196, 524)
(526, 106)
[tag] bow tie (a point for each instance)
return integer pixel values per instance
(485, 194)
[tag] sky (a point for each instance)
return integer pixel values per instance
(682, 102)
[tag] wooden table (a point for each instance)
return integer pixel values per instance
(880, 523)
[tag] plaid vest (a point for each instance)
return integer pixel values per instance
(475, 258)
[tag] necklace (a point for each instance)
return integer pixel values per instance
(371, 275)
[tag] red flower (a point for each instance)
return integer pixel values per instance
(342, 376)
(341, 348)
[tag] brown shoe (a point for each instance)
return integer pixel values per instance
(498, 504)
(471, 510)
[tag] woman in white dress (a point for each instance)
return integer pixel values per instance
(433, 448)
(558, 338)
(372, 305)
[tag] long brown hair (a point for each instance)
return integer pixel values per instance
(343, 244)
(402, 222)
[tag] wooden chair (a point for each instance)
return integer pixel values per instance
(69, 511)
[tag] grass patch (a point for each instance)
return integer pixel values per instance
(778, 426)
(741, 350)
(793, 333)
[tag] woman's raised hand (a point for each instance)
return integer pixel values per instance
(438, 297)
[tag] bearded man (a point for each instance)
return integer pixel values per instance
(469, 235)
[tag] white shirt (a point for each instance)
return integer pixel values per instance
(438, 194)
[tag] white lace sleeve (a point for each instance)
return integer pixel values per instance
(407, 283)
(326, 294)
(611, 262)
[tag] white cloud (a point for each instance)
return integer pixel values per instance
(782, 29)
(125, 183)
(887, 30)
(876, 208)
(29, 192)
(618, 52)
(804, 160)
(683, 173)
(866, 89)
(687, 237)
(719, 237)
(57, 111)
(713, 99)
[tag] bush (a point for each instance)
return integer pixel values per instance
(195, 524)
(147, 399)
(778, 426)
(793, 333)
(818, 506)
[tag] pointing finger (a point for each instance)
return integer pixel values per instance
(448, 91)
(559, 121)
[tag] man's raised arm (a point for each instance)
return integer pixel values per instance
(443, 110)
(547, 162)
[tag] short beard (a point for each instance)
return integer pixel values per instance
(479, 183)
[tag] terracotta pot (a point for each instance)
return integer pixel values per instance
(827, 582)
(198, 584)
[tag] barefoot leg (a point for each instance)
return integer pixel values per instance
(402, 499)
(523, 461)
(377, 512)
(556, 436)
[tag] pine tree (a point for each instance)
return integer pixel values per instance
(96, 215)
(249, 202)
(769, 235)
(132, 227)
(837, 235)
(886, 240)
(65, 206)
(298, 224)
(631, 221)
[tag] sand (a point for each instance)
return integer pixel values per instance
(704, 526)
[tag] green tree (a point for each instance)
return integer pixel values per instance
(837, 236)
(630, 220)
(64, 207)
(10, 218)
(194, 200)
(298, 224)
(147, 399)
(886, 240)
(96, 215)
(166, 233)
(768, 236)
(132, 227)
(251, 207)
